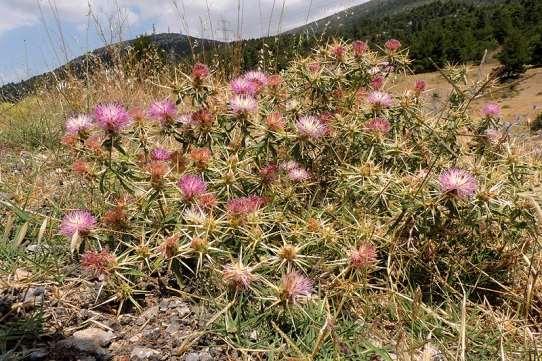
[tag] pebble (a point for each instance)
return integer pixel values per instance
(144, 354)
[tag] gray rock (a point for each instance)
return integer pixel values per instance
(37, 248)
(149, 313)
(34, 296)
(91, 340)
(96, 335)
(198, 356)
(144, 354)
(173, 327)
(151, 333)
(164, 304)
(38, 354)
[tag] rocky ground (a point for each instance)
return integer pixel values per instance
(168, 327)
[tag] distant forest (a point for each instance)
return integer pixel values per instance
(437, 33)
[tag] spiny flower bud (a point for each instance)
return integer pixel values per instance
(98, 264)
(237, 276)
(199, 244)
(169, 246)
(288, 252)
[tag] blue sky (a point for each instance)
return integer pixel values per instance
(39, 35)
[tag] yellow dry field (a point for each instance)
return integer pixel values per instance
(520, 100)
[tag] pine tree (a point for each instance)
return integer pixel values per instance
(514, 54)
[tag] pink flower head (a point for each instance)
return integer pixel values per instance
(420, 86)
(392, 45)
(269, 173)
(363, 257)
(163, 110)
(98, 264)
(311, 127)
(380, 99)
(237, 276)
(458, 182)
(79, 124)
(112, 117)
(360, 47)
(298, 174)
(314, 67)
(241, 86)
(200, 71)
(377, 82)
(491, 110)
(160, 153)
(294, 286)
(191, 186)
(378, 126)
(79, 221)
(275, 122)
(241, 104)
(245, 205)
(338, 52)
(274, 80)
(257, 77)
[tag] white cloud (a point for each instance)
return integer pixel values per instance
(219, 19)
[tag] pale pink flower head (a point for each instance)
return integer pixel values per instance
(98, 264)
(380, 99)
(191, 186)
(360, 47)
(379, 126)
(78, 221)
(200, 71)
(257, 77)
(160, 153)
(237, 276)
(244, 206)
(392, 45)
(495, 136)
(79, 124)
(163, 110)
(420, 86)
(311, 127)
(295, 286)
(377, 82)
(298, 174)
(491, 110)
(363, 257)
(458, 182)
(289, 165)
(241, 104)
(112, 117)
(185, 119)
(241, 86)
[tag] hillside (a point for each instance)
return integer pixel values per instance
(171, 46)
(437, 32)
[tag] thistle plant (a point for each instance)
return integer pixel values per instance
(315, 186)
